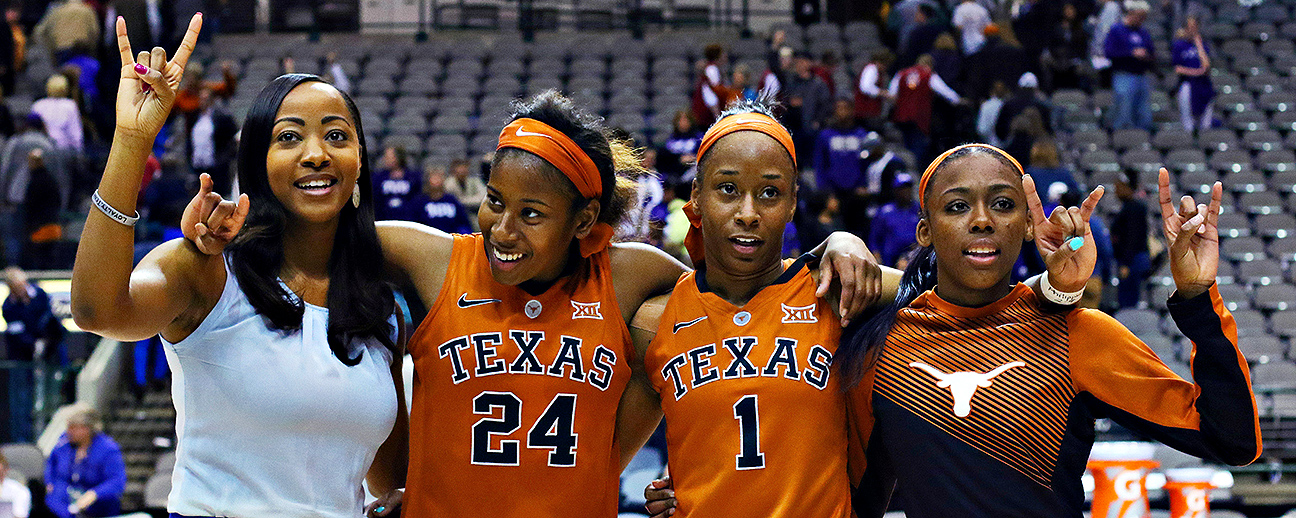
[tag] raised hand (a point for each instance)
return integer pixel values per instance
(1193, 236)
(210, 221)
(1069, 267)
(149, 82)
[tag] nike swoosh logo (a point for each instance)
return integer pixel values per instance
(522, 133)
(465, 302)
(682, 325)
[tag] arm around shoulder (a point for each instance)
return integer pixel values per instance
(416, 253)
(640, 272)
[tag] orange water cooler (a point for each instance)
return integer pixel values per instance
(1189, 491)
(1120, 471)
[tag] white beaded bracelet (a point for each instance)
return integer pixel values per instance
(109, 211)
(1057, 296)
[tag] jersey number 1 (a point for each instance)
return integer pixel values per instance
(551, 431)
(748, 416)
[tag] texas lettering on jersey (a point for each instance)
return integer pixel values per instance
(732, 360)
(489, 354)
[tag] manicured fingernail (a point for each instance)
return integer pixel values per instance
(140, 69)
(1075, 243)
(379, 509)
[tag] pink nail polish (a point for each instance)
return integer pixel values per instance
(141, 69)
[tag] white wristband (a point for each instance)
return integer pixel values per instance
(109, 211)
(1057, 296)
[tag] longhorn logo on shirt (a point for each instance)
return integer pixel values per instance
(799, 314)
(532, 308)
(963, 385)
(586, 310)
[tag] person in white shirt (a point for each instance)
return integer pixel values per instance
(869, 94)
(989, 114)
(284, 347)
(971, 18)
(15, 498)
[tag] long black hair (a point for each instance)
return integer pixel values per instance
(864, 336)
(360, 302)
(618, 162)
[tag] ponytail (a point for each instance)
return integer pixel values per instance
(864, 337)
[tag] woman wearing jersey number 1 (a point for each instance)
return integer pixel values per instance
(523, 363)
(285, 358)
(742, 357)
(977, 402)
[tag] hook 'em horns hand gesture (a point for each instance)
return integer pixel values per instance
(1068, 267)
(149, 81)
(1192, 234)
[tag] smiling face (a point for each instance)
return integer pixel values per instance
(527, 220)
(976, 219)
(314, 156)
(746, 195)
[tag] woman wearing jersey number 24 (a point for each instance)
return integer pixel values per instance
(742, 357)
(543, 282)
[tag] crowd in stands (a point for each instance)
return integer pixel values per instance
(949, 73)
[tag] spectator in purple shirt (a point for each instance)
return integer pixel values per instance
(1129, 47)
(85, 474)
(894, 227)
(837, 152)
(437, 208)
(395, 185)
(1192, 62)
(679, 150)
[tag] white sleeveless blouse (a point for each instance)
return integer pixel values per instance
(271, 423)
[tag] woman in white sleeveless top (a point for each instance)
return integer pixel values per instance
(283, 406)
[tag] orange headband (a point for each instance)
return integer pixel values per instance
(563, 153)
(748, 122)
(922, 183)
(738, 122)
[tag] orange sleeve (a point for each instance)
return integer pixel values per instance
(1213, 417)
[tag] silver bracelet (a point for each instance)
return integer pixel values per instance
(1057, 296)
(115, 214)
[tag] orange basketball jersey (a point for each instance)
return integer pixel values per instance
(515, 396)
(755, 420)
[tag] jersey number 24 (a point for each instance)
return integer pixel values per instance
(551, 431)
